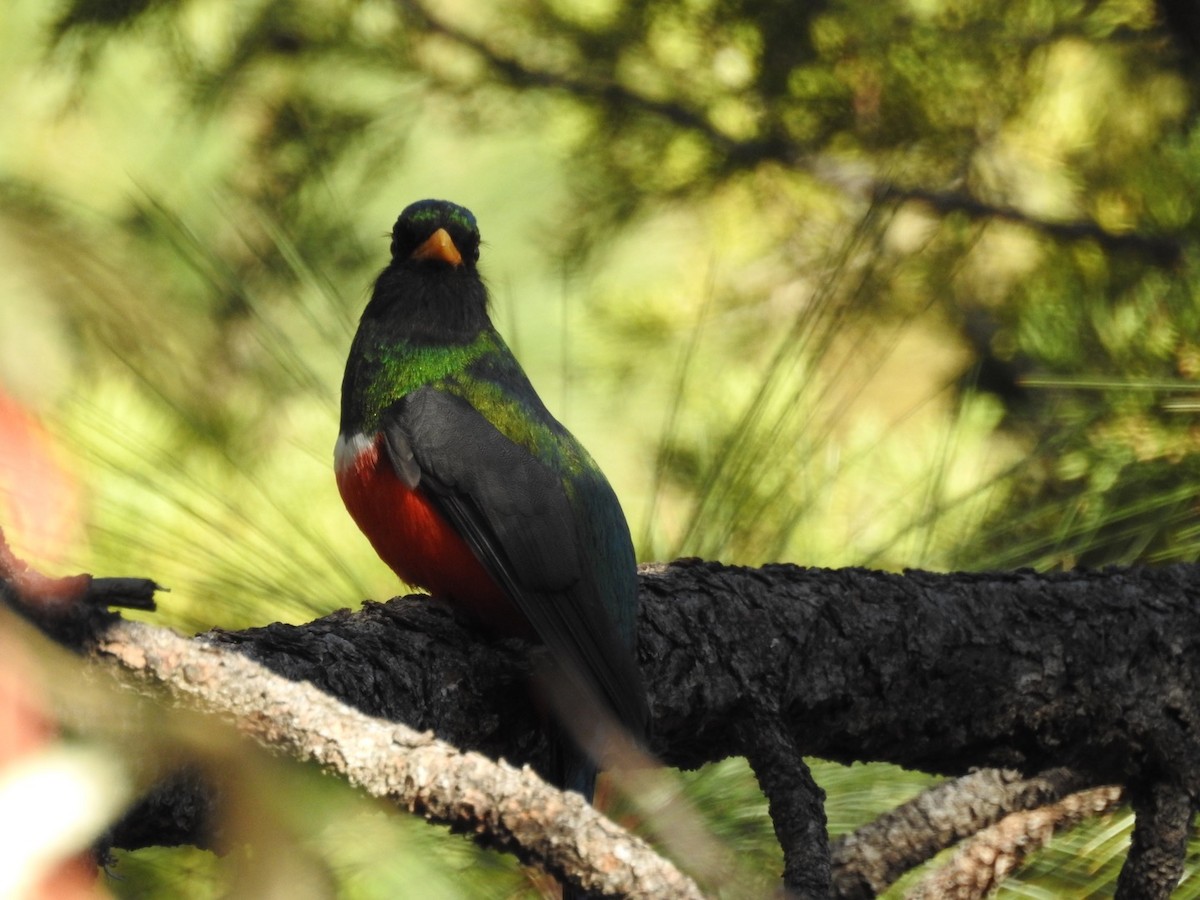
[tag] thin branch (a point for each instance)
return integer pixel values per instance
(27, 588)
(1163, 816)
(1162, 250)
(511, 809)
(609, 92)
(1091, 671)
(867, 861)
(987, 859)
(797, 808)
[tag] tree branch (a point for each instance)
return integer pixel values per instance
(867, 861)
(1160, 834)
(509, 809)
(797, 808)
(1094, 672)
(995, 853)
(27, 589)
(1162, 250)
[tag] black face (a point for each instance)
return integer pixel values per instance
(421, 219)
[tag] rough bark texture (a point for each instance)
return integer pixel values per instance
(1091, 671)
(1163, 821)
(505, 807)
(866, 861)
(983, 862)
(1095, 672)
(796, 804)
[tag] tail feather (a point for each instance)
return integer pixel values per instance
(574, 771)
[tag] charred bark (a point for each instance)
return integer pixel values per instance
(1093, 672)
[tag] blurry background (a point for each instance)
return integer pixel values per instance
(903, 284)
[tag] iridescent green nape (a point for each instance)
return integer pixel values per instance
(439, 211)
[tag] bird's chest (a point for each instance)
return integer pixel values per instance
(414, 538)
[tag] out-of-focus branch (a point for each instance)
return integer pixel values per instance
(987, 859)
(743, 153)
(1164, 250)
(504, 807)
(507, 808)
(937, 672)
(867, 861)
(28, 589)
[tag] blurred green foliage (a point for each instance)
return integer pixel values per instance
(896, 284)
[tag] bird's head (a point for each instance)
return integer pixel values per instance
(431, 292)
(436, 233)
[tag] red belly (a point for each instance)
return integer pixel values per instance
(412, 537)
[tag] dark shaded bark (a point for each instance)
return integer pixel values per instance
(796, 804)
(1092, 671)
(179, 810)
(1160, 833)
(500, 806)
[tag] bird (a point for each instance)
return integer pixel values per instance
(465, 484)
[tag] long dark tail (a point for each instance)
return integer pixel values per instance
(575, 771)
(578, 719)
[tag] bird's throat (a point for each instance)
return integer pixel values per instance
(428, 304)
